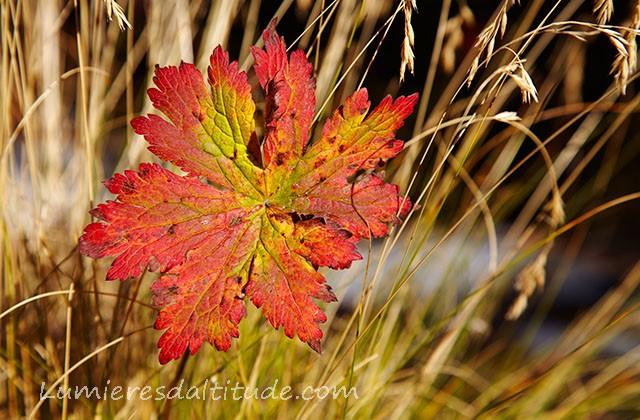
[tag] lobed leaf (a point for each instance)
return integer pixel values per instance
(283, 282)
(247, 230)
(208, 131)
(289, 89)
(353, 142)
(157, 219)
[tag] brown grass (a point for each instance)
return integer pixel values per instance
(522, 156)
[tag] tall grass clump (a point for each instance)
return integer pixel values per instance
(511, 291)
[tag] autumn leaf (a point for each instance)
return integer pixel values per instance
(248, 220)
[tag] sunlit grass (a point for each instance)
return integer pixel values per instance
(516, 156)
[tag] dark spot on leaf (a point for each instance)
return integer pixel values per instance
(280, 158)
(380, 163)
(353, 178)
(332, 139)
(342, 148)
(271, 85)
(128, 186)
(171, 230)
(237, 279)
(144, 171)
(173, 289)
(199, 114)
(295, 217)
(272, 100)
(319, 162)
(253, 148)
(322, 178)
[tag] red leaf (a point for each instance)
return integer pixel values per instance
(248, 230)
(283, 282)
(290, 99)
(208, 134)
(325, 245)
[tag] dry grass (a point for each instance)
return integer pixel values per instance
(521, 156)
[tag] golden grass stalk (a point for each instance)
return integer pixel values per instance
(514, 176)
